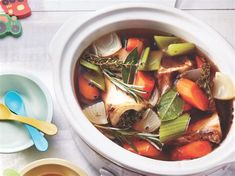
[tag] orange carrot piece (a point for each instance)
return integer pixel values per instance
(187, 107)
(199, 62)
(145, 80)
(87, 89)
(192, 94)
(133, 43)
(192, 150)
(143, 147)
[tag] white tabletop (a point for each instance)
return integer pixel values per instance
(29, 52)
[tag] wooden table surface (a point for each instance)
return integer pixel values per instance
(29, 52)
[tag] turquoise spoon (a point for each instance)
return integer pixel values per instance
(15, 103)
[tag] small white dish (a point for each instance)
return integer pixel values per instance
(14, 136)
(52, 167)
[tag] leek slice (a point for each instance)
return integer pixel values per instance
(175, 128)
(90, 66)
(164, 41)
(96, 79)
(180, 49)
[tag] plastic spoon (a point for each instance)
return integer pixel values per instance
(10, 172)
(15, 103)
(45, 127)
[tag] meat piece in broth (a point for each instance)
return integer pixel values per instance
(208, 128)
(170, 67)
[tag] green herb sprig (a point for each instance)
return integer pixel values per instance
(130, 89)
(128, 73)
(204, 81)
(126, 136)
(111, 63)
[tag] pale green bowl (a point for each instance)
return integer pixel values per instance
(38, 104)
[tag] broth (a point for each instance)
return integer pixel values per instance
(200, 117)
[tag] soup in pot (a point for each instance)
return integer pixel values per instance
(154, 94)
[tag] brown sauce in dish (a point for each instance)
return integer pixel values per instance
(224, 108)
(52, 175)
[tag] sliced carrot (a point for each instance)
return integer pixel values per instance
(143, 147)
(146, 80)
(87, 89)
(187, 107)
(192, 94)
(199, 62)
(192, 150)
(133, 43)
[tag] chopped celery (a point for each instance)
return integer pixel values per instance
(174, 128)
(153, 62)
(90, 66)
(96, 78)
(144, 58)
(180, 49)
(164, 41)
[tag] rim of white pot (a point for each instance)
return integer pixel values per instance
(75, 36)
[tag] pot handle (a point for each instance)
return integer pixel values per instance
(105, 172)
(230, 160)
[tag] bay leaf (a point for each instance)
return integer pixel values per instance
(170, 106)
(128, 72)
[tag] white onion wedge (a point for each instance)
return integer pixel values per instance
(224, 88)
(107, 45)
(96, 113)
(149, 123)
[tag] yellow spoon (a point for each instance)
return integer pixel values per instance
(45, 127)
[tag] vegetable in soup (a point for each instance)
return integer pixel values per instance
(154, 94)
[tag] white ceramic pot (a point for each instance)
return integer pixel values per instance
(75, 35)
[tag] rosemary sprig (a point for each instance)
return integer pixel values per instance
(126, 135)
(132, 90)
(111, 63)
